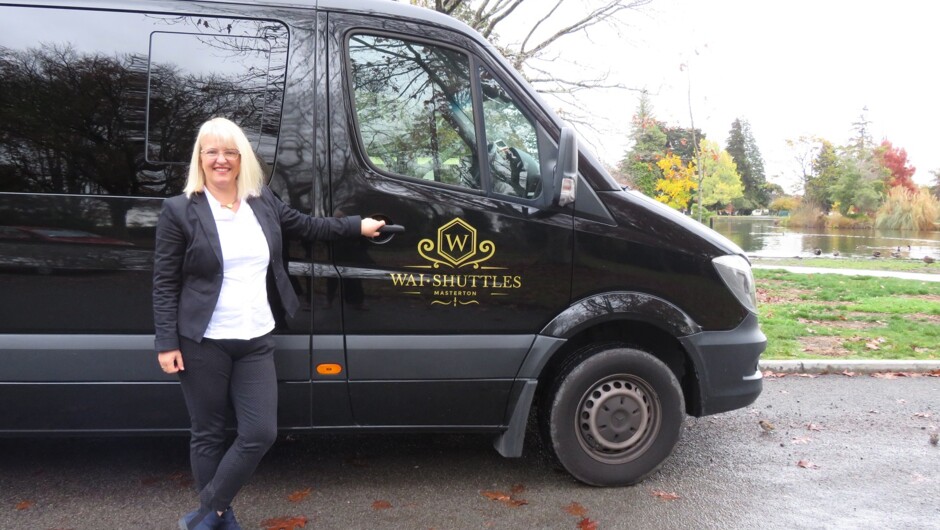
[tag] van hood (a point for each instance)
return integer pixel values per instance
(722, 244)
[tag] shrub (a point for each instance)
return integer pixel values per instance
(907, 210)
(837, 220)
(785, 203)
(807, 215)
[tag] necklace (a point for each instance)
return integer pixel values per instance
(230, 205)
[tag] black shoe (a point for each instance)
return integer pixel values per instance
(201, 520)
(228, 520)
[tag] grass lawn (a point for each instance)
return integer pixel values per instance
(825, 316)
(880, 264)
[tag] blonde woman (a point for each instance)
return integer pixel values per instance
(218, 249)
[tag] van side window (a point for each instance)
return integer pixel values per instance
(512, 142)
(96, 102)
(415, 110)
(193, 77)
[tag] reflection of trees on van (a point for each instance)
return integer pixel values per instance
(414, 108)
(67, 122)
(415, 111)
(74, 123)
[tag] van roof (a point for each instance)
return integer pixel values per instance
(375, 7)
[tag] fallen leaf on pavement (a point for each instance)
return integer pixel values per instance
(284, 523)
(517, 489)
(24, 505)
(895, 375)
(587, 524)
(299, 495)
(806, 464)
(504, 498)
(381, 505)
(576, 509)
(813, 427)
(665, 495)
(848, 373)
(801, 440)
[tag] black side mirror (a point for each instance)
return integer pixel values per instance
(566, 168)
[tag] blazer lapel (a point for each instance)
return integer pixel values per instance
(262, 214)
(204, 214)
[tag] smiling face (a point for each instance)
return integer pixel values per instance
(220, 165)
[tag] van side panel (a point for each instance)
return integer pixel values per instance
(98, 111)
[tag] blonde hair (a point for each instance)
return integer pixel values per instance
(250, 176)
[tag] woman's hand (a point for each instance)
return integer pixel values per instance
(171, 361)
(370, 227)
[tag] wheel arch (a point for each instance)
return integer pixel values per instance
(633, 319)
(637, 320)
(632, 333)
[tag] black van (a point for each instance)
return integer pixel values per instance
(526, 280)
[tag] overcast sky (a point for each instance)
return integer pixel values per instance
(792, 68)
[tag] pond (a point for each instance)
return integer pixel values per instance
(765, 237)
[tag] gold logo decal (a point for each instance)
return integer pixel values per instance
(457, 247)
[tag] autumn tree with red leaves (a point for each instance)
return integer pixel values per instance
(894, 159)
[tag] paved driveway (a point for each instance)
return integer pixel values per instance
(863, 443)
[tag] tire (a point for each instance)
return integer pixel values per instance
(613, 415)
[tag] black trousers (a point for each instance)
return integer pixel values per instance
(220, 372)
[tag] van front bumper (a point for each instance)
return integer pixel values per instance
(726, 366)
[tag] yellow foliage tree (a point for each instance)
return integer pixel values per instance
(677, 184)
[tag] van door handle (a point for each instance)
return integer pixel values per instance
(391, 229)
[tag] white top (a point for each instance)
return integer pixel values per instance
(242, 311)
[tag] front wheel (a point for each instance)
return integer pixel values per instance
(613, 415)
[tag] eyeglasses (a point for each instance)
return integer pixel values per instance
(212, 154)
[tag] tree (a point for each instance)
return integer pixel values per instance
(936, 183)
(545, 28)
(721, 182)
(861, 141)
(649, 142)
(854, 189)
(805, 149)
(680, 141)
(743, 150)
(826, 170)
(675, 188)
(900, 171)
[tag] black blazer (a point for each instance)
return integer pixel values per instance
(187, 262)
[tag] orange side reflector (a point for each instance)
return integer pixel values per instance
(329, 369)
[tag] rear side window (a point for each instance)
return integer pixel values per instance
(108, 103)
(195, 75)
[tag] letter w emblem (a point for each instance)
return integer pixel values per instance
(456, 243)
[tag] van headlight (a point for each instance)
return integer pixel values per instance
(736, 272)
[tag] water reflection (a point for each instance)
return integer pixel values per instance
(765, 237)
